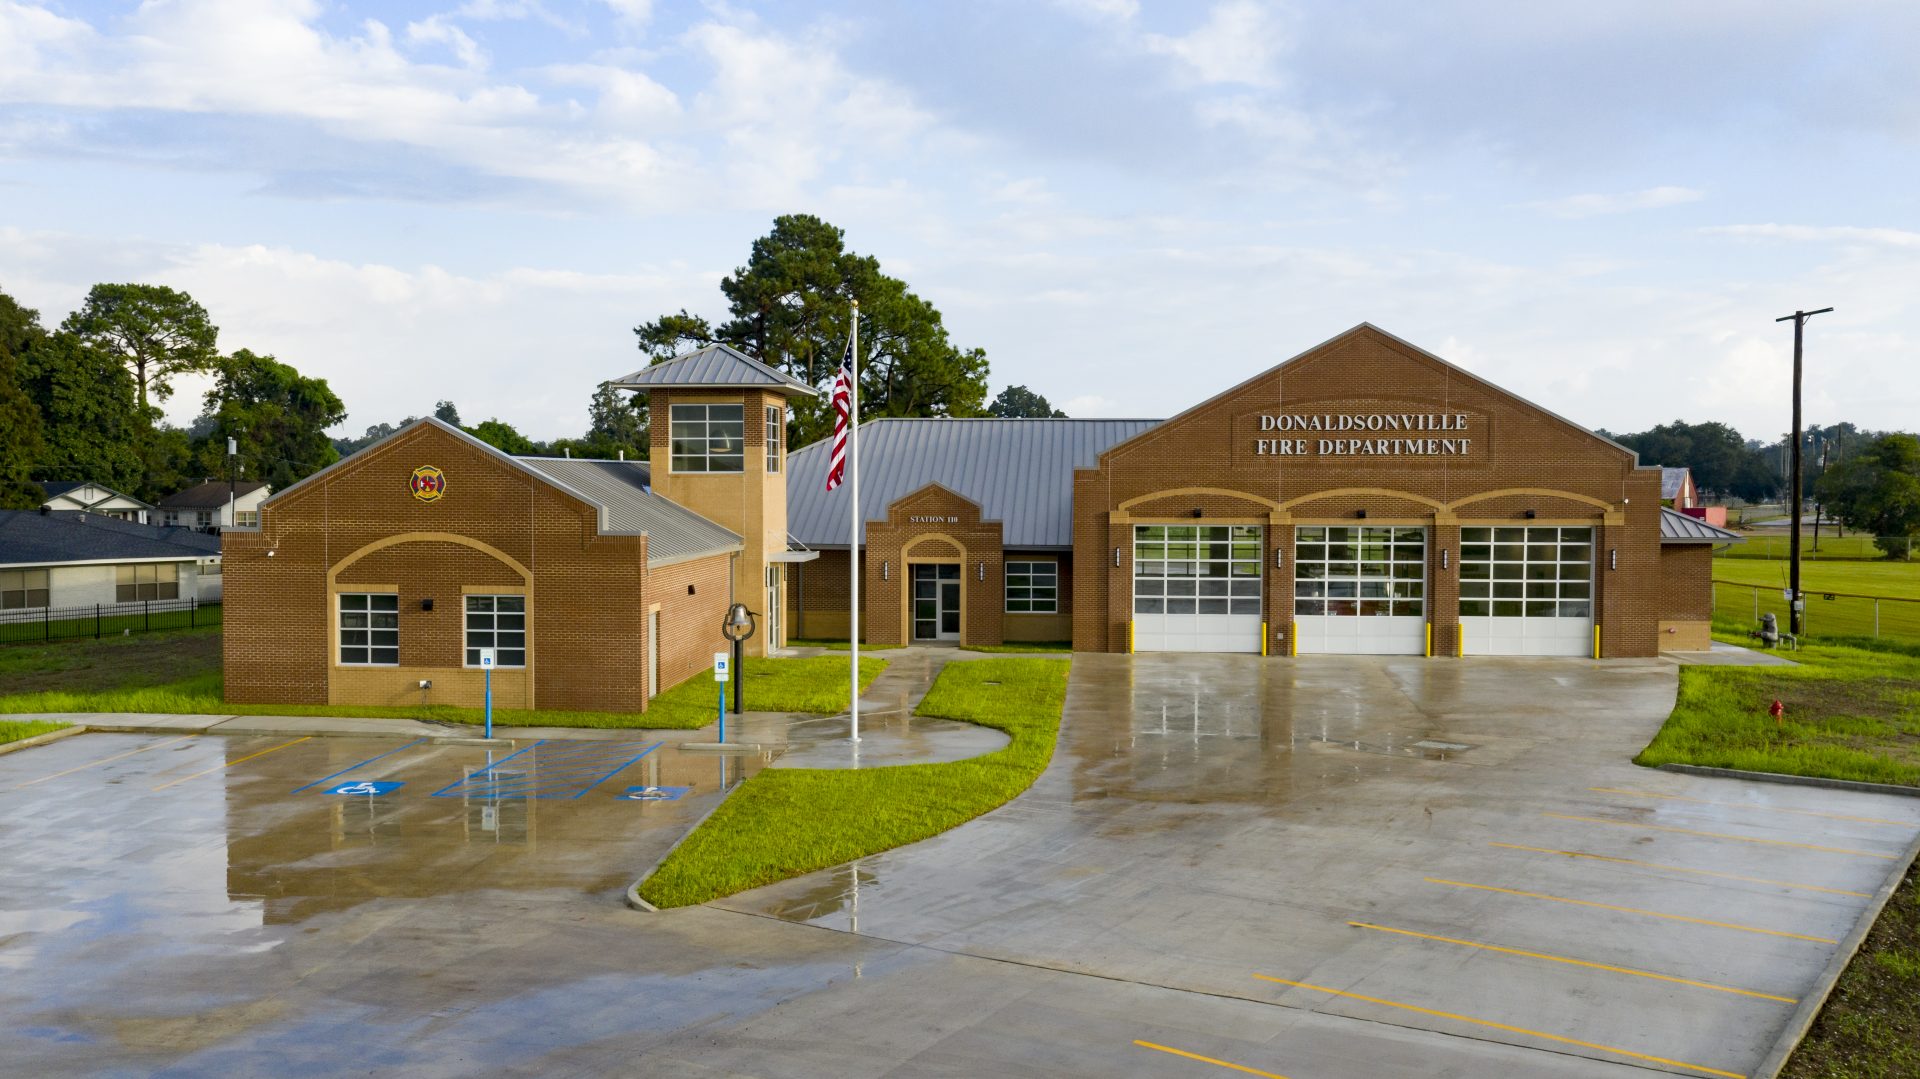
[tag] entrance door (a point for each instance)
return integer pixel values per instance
(776, 609)
(1360, 589)
(1526, 591)
(936, 601)
(653, 654)
(1196, 588)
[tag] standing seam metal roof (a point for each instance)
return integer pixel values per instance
(1020, 471)
(714, 365)
(619, 489)
(1671, 480)
(1677, 527)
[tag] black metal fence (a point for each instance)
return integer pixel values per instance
(104, 620)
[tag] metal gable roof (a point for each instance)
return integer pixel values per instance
(1677, 527)
(712, 367)
(1671, 480)
(1019, 471)
(619, 489)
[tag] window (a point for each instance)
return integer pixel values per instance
(1359, 570)
(708, 438)
(1032, 588)
(246, 518)
(1198, 569)
(776, 436)
(172, 517)
(1526, 572)
(203, 519)
(154, 581)
(499, 623)
(370, 629)
(22, 588)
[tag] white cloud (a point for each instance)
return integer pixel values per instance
(1240, 42)
(438, 30)
(634, 13)
(1594, 205)
(1836, 234)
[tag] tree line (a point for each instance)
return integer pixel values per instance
(77, 402)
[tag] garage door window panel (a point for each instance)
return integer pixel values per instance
(1527, 590)
(1197, 587)
(1360, 588)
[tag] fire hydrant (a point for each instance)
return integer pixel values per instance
(1779, 713)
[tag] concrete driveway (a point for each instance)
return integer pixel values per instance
(1306, 868)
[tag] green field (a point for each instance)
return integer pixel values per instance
(788, 821)
(1775, 546)
(1761, 588)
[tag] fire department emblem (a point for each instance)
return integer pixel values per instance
(428, 483)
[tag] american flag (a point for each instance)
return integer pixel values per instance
(842, 412)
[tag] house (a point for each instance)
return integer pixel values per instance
(1677, 490)
(211, 504)
(68, 560)
(75, 496)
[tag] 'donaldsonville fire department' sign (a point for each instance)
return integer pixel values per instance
(1365, 432)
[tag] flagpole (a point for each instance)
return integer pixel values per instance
(853, 484)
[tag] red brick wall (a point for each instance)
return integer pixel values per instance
(586, 592)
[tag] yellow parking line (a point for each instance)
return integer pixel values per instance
(1684, 869)
(1723, 835)
(229, 764)
(1208, 1060)
(1632, 910)
(109, 760)
(1576, 962)
(1742, 805)
(1563, 1040)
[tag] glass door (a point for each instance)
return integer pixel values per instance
(936, 602)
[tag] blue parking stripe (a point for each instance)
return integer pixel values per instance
(362, 764)
(622, 767)
(488, 769)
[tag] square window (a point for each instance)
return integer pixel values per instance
(707, 438)
(499, 623)
(368, 629)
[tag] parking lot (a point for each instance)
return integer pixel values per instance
(1460, 848)
(1309, 869)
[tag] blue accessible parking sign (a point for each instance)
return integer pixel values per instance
(365, 787)
(654, 794)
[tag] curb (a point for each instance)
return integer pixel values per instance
(1793, 781)
(1813, 1003)
(43, 739)
(633, 890)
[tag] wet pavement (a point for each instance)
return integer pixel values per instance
(1326, 867)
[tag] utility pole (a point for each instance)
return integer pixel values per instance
(1799, 320)
(233, 454)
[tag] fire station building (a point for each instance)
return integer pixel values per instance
(1364, 496)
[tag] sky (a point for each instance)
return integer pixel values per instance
(1129, 205)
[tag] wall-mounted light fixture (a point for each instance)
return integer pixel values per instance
(1443, 557)
(1196, 511)
(689, 590)
(1613, 558)
(1116, 556)
(427, 604)
(1279, 558)
(979, 571)
(1360, 514)
(1530, 515)
(886, 570)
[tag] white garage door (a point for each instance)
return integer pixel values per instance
(1360, 589)
(1526, 591)
(1196, 588)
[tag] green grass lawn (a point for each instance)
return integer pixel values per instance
(788, 821)
(1870, 1027)
(1843, 615)
(815, 684)
(185, 678)
(15, 730)
(1021, 646)
(106, 624)
(1897, 579)
(1851, 713)
(838, 646)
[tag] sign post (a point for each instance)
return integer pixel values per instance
(486, 668)
(722, 667)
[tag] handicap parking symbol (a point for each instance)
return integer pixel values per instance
(366, 787)
(654, 794)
